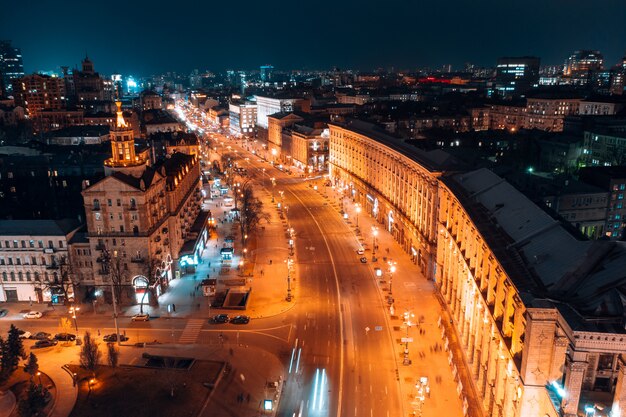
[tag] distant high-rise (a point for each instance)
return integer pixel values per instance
(11, 66)
(515, 75)
(583, 61)
(39, 92)
(266, 73)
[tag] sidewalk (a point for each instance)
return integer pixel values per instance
(414, 294)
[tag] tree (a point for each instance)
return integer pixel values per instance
(251, 213)
(90, 354)
(113, 355)
(62, 278)
(152, 272)
(34, 401)
(32, 366)
(117, 270)
(11, 350)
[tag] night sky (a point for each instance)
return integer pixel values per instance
(147, 37)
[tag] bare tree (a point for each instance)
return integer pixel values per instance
(61, 278)
(251, 213)
(117, 271)
(113, 355)
(90, 354)
(152, 272)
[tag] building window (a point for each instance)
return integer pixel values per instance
(12, 276)
(96, 204)
(119, 202)
(23, 244)
(4, 276)
(20, 276)
(41, 244)
(31, 243)
(36, 276)
(18, 261)
(33, 260)
(28, 276)
(50, 245)
(98, 216)
(15, 245)
(109, 202)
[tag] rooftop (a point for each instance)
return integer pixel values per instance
(38, 227)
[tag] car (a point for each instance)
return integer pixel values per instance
(360, 251)
(219, 318)
(141, 317)
(240, 320)
(41, 336)
(24, 334)
(44, 343)
(113, 338)
(65, 337)
(33, 315)
(4, 312)
(363, 259)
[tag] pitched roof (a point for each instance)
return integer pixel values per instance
(38, 227)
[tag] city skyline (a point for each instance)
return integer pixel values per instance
(138, 40)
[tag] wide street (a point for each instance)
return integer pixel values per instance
(338, 346)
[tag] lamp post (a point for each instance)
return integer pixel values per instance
(392, 269)
(407, 322)
(374, 234)
(289, 261)
(358, 210)
(107, 260)
(73, 312)
(273, 187)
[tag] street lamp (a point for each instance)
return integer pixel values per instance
(358, 210)
(407, 322)
(392, 269)
(374, 234)
(289, 262)
(73, 312)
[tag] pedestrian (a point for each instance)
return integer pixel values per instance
(174, 308)
(209, 264)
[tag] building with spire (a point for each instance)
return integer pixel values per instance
(144, 222)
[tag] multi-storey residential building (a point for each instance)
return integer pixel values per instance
(143, 217)
(604, 148)
(548, 113)
(242, 118)
(276, 123)
(600, 106)
(88, 85)
(309, 147)
(509, 116)
(378, 171)
(39, 92)
(537, 312)
(34, 260)
(613, 180)
(583, 61)
(11, 67)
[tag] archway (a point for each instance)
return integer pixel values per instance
(142, 294)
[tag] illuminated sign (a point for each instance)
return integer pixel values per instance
(267, 405)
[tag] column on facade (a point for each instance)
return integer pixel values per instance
(573, 384)
(618, 407)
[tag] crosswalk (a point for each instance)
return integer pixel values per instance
(191, 332)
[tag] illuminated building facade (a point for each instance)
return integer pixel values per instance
(144, 217)
(538, 313)
(515, 76)
(242, 118)
(11, 66)
(380, 172)
(36, 93)
(31, 256)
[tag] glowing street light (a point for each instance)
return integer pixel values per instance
(73, 311)
(374, 234)
(392, 269)
(358, 210)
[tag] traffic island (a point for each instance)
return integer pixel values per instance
(138, 391)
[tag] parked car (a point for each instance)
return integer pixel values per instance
(44, 343)
(240, 320)
(220, 318)
(24, 334)
(113, 338)
(360, 251)
(41, 336)
(4, 312)
(33, 315)
(363, 260)
(65, 337)
(141, 317)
